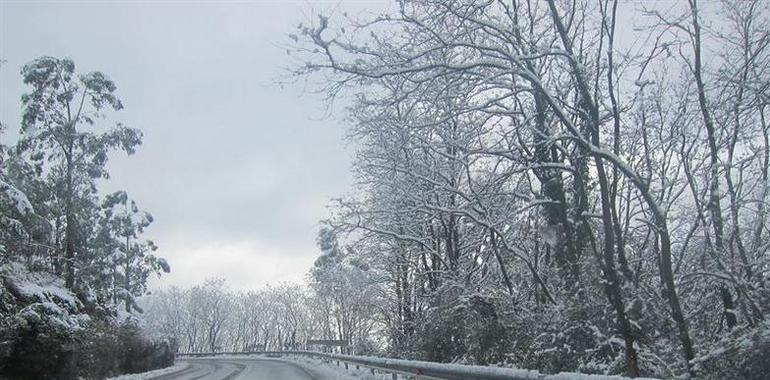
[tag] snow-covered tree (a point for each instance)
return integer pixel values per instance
(61, 135)
(128, 259)
(601, 196)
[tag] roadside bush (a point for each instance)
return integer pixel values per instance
(467, 330)
(139, 353)
(42, 347)
(45, 334)
(743, 354)
(99, 352)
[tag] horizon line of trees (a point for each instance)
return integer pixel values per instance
(211, 317)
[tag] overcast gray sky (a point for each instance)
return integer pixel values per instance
(236, 170)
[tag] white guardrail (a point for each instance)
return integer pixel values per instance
(426, 370)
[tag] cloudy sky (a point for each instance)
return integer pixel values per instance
(236, 170)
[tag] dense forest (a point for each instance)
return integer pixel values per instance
(72, 260)
(557, 185)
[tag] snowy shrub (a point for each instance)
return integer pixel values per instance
(440, 336)
(366, 347)
(98, 352)
(467, 330)
(42, 342)
(568, 338)
(742, 354)
(47, 334)
(107, 349)
(140, 353)
(41, 350)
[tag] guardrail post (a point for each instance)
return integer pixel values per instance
(357, 366)
(338, 363)
(346, 366)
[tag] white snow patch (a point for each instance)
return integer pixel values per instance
(151, 374)
(47, 299)
(18, 198)
(327, 369)
(40, 286)
(43, 292)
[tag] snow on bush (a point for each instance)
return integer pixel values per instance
(740, 354)
(48, 333)
(17, 198)
(44, 298)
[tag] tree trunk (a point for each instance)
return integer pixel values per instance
(127, 276)
(71, 230)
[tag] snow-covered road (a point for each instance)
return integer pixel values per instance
(237, 369)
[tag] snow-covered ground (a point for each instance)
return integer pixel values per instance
(319, 368)
(324, 369)
(328, 369)
(152, 374)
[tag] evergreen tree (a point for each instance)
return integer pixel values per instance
(129, 258)
(60, 135)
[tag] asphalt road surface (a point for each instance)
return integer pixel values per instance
(238, 369)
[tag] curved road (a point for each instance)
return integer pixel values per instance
(237, 369)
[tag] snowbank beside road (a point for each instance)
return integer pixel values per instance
(327, 368)
(149, 375)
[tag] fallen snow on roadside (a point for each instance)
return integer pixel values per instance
(320, 369)
(328, 370)
(151, 374)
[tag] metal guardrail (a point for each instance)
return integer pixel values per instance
(427, 370)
